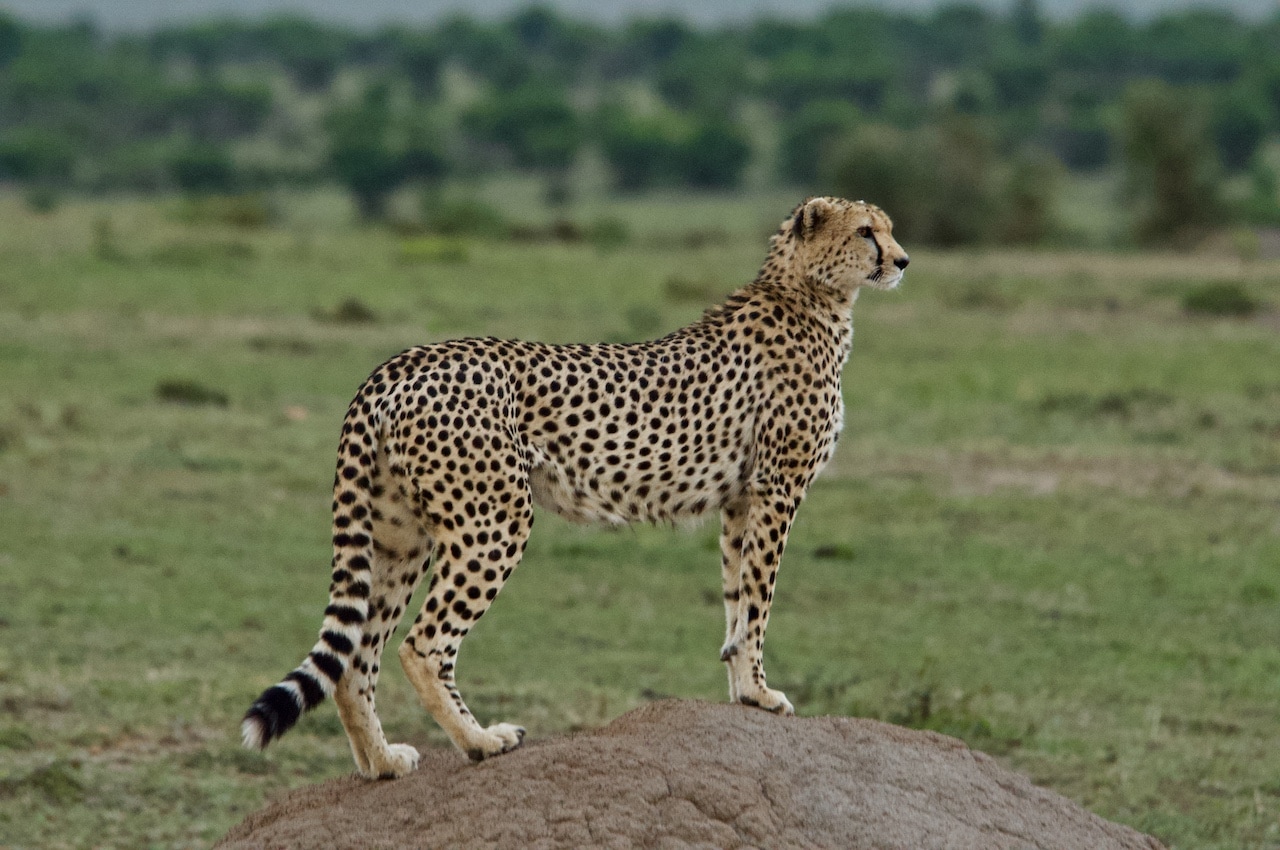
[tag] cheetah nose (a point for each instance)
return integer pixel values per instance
(902, 261)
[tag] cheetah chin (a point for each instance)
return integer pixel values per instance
(447, 447)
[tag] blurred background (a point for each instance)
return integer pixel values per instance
(1140, 123)
(1052, 527)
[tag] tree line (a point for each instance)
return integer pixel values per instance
(961, 108)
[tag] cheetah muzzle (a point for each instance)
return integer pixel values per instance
(447, 447)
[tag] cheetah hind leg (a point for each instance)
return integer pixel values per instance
(466, 580)
(395, 576)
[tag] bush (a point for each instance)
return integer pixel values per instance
(1171, 170)
(945, 185)
(202, 168)
(1220, 299)
(36, 154)
(433, 249)
(808, 138)
(248, 211)
(462, 217)
(185, 391)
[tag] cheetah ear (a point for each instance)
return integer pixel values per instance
(810, 216)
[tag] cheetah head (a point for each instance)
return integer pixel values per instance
(843, 245)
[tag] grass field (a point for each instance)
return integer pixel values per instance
(1052, 527)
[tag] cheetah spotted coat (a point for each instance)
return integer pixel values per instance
(447, 447)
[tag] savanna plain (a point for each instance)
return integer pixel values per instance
(1052, 527)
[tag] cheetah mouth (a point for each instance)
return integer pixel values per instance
(879, 280)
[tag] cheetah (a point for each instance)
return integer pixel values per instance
(447, 447)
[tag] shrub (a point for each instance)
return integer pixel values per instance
(462, 217)
(1220, 299)
(433, 249)
(186, 391)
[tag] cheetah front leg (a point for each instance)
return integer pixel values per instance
(733, 529)
(753, 537)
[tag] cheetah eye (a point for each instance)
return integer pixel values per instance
(864, 232)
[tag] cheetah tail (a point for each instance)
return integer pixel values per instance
(307, 685)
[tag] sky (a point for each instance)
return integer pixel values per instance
(142, 14)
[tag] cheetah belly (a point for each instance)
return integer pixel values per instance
(641, 490)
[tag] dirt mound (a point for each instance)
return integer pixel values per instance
(687, 774)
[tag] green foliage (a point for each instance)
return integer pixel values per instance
(640, 150)
(712, 155)
(945, 185)
(809, 138)
(188, 391)
(1171, 171)
(202, 167)
(1262, 205)
(1029, 215)
(534, 124)
(37, 155)
(433, 249)
(1220, 299)
(462, 215)
(646, 151)
(376, 145)
(349, 311)
(293, 101)
(1240, 122)
(249, 211)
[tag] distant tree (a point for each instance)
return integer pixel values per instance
(309, 51)
(892, 168)
(1083, 141)
(705, 76)
(1019, 79)
(534, 123)
(713, 155)
(966, 194)
(202, 167)
(421, 58)
(34, 154)
(809, 138)
(1171, 170)
(960, 32)
(1202, 45)
(1100, 42)
(800, 78)
(944, 184)
(490, 51)
(639, 149)
(11, 37)
(651, 42)
(560, 45)
(1030, 194)
(1240, 119)
(212, 110)
(1028, 22)
(375, 147)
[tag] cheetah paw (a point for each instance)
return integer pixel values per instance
(401, 760)
(769, 700)
(495, 740)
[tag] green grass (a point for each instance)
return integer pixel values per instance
(1052, 527)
